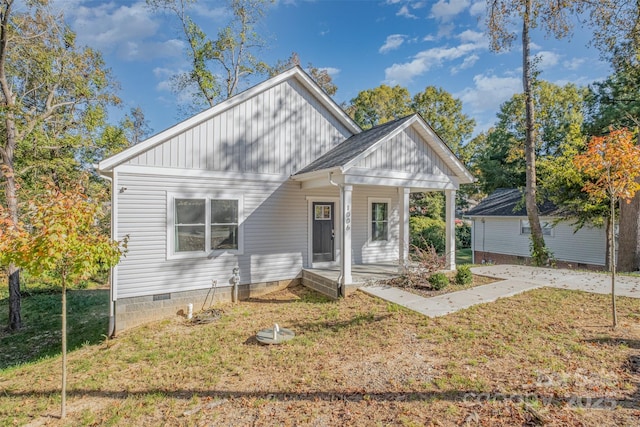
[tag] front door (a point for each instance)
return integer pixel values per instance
(323, 232)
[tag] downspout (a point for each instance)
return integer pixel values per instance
(341, 285)
(112, 309)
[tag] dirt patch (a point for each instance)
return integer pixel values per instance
(419, 284)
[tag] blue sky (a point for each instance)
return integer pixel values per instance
(361, 43)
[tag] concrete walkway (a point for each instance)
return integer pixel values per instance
(515, 279)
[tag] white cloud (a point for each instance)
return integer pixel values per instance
(489, 92)
(445, 30)
(468, 62)
(478, 8)
(393, 42)
(429, 38)
(546, 60)
(123, 29)
(447, 10)
(332, 71)
(573, 63)
(404, 11)
(425, 60)
(473, 37)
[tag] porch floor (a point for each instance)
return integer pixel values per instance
(325, 280)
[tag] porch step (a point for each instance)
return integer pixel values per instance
(326, 284)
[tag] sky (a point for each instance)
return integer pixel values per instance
(361, 43)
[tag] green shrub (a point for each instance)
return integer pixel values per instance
(463, 275)
(438, 281)
(426, 232)
(463, 235)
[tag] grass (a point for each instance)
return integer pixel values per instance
(357, 361)
(87, 320)
(464, 256)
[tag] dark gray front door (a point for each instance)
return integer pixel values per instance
(323, 231)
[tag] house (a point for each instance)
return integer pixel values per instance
(500, 233)
(247, 194)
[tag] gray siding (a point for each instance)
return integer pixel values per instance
(275, 232)
(278, 131)
(406, 152)
(502, 236)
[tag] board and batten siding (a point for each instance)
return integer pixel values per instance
(406, 152)
(278, 131)
(501, 235)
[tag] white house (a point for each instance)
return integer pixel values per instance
(500, 233)
(261, 186)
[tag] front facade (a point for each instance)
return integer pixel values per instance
(501, 234)
(244, 196)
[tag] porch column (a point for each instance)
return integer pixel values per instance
(450, 244)
(403, 244)
(345, 250)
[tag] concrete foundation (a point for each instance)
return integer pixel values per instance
(480, 257)
(134, 311)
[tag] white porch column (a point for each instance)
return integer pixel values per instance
(403, 244)
(345, 250)
(450, 244)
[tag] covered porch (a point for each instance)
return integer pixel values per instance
(380, 167)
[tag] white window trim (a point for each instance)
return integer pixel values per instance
(370, 202)
(207, 253)
(546, 225)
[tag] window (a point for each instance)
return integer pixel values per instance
(378, 220)
(202, 225)
(224, 224)
(190, 225)
(547, 228)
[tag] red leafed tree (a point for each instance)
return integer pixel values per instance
(612, 164)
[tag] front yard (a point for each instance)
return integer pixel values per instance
(544, 357)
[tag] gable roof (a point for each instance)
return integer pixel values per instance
(509, 202)
(352, 147)
(296, 72)
(357, 147)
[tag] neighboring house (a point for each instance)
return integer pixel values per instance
(500, 233)
(261, 186)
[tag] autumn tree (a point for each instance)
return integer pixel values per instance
(319, 75)
(611, 163)
(53, 98)
(59, 238)
(218, 65)
(555, 19)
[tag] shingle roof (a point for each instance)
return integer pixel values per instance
(351, 147)
(508, 202)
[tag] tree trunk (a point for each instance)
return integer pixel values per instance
(15, 319)
(612, 260)
(63, 409)
(629, 235)
(538, 250)
(11, 196)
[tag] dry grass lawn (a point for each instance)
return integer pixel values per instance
(547, 357)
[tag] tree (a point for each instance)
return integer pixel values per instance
(616, 102)
(319, 75)
(444, 114)
(59, 237)
(136, 126)
(499, 158)
(376, 106)
(554, 18)
(218, 66)
(611, 163)
(53, 95)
